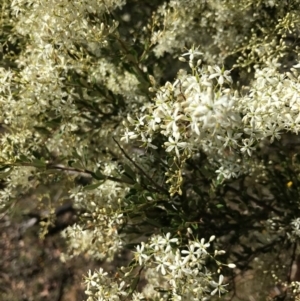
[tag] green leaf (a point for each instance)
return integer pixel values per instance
(75, 154)
(92, 186)
(98, 175)
(70, 162)
(23, 158)
(195, 226)
(42, 130)
(84, 83)
(127, 179)
(138, 187)
(53, 122)
(153, 222)
(38, 163)
(76, 165)
(129, 172)
(134, 284)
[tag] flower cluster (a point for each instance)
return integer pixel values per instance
(198, 111)
(101, 238)
(295, 233)
(272, 105)
(179, 274)
(202, 112)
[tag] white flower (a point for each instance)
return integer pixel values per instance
(192, 53)
(221, 74)
(202, 245)
(162, 263)
(166, 241)
(128, 135)
(138, 296)
(139, 255)
(219, 287)
(248, 146)
(191, 253)
(175, 145)
(179, 266)
(231, 265)
(273, 130)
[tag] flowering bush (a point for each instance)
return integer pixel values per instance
(176, 275)
(167, 125)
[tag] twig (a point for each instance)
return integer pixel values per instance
(67, 169)
(83, 171)
(160, 188)
(293, 259)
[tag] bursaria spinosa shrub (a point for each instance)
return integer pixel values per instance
(171, 126)
(170, 274)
